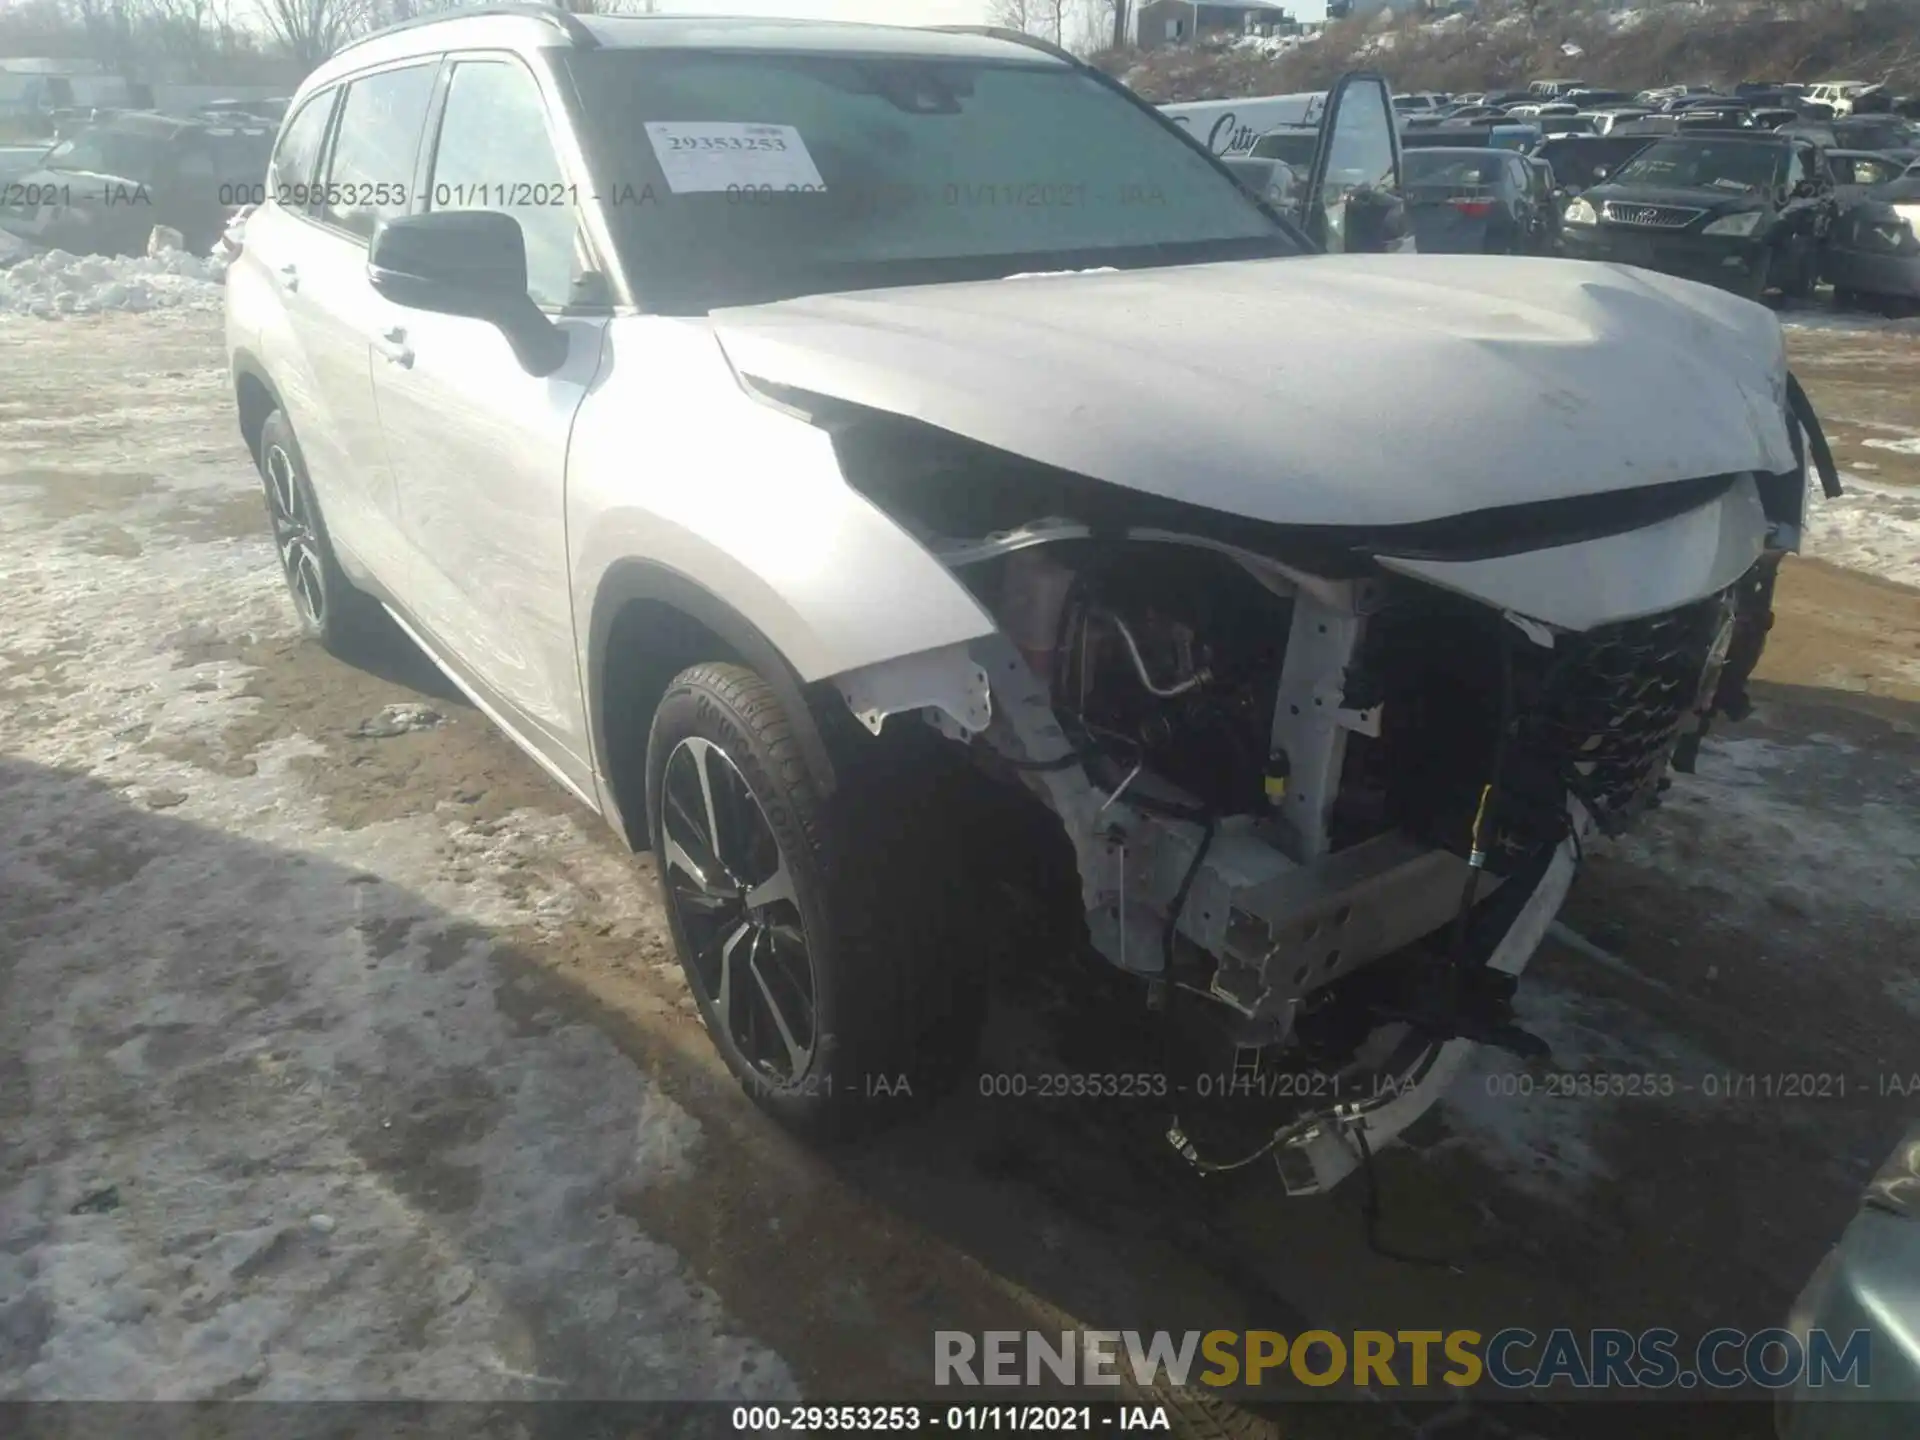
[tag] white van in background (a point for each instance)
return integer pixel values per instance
(1229, 127)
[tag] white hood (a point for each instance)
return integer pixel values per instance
(1327, 390)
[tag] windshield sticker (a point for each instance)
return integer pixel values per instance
(1723, 183)
(703, 156)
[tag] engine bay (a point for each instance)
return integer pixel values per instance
(1322, 809)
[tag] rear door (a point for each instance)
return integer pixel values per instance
(478, 446)
(366, 177)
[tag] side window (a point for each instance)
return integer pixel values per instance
(1873, 172)
(291, 170)
(495, 154)
(374, 149)
(1796, 167)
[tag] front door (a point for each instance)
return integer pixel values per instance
(477, 446)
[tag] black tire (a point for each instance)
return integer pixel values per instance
(870, 915)
(330, 610)
(1845, 299)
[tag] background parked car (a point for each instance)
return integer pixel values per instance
(1745, 210)
(105, 189)
(1272, 180)
(1582, 161)
(1475, 201)
(1855, 172)
(1869, 1281)
(1873, 255)
(1883, 134)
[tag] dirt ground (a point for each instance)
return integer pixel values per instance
(336, 1064)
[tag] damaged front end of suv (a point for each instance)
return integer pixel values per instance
(1325, 725)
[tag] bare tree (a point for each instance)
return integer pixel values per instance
(311, 30)
(1014, 14)
(1119, 17)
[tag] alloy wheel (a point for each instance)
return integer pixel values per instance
(733, 894)
(294, 537)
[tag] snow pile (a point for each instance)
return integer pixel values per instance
(1871, 527)
(55, 283)
(1271, 45)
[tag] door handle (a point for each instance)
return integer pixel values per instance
(394, 349)
(290, 276)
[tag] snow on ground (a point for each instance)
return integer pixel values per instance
(286, 1127)
(1871, 527)
(1764, 821)
(1908, 446)
(54, 283)
(1547, 1141)
(1772, 828)
(1847, 322)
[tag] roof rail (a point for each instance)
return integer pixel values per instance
(1016, 37)
(562, 19)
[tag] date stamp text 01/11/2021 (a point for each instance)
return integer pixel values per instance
(984, 1417)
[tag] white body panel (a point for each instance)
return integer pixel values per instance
(1616, 577)
(478, 449)
(674, 462)
(1330, 390)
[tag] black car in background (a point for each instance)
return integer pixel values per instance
(1476, 202)
(1745, 210)
(1893, 135)
(103, 190)
(1582, 161)
(1873, 256)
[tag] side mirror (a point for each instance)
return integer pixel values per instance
(471, 263)
(1358, 155)
(1601, 172)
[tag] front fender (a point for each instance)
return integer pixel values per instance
(671, 461)
(684, 490)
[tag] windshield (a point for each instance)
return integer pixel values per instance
(1449, 168)
(1577, 162)
(104, 151)
(736, 177)
(1735, 167)
(1296, 147)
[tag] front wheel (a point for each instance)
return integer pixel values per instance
(826, 945)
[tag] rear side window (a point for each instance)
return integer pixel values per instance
(374, 148)
(294, 158)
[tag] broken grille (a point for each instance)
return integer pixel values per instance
(1658, 217)
(1611, 706)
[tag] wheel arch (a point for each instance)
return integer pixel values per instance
(255, 398)
(648, 623)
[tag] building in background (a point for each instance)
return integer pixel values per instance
(1182, 22)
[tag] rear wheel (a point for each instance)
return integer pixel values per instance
(827, 945)
(343, 619)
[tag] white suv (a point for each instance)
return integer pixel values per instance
(903, 481)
